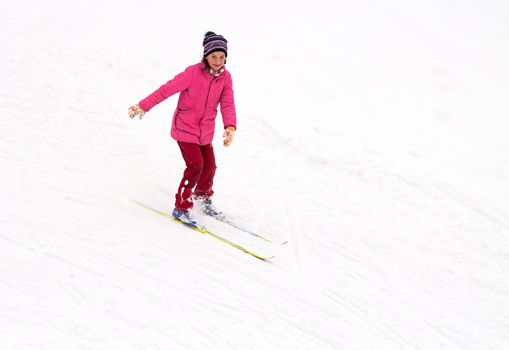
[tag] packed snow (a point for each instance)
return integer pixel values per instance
(372, 135)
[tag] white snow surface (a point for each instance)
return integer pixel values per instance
(371, 134)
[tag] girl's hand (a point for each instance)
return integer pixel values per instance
(136, 111)
(228, 135)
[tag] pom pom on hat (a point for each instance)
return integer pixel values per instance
(213, 42)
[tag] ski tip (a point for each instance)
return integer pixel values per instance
(266, 258)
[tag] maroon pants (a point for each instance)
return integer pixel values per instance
(198, 176)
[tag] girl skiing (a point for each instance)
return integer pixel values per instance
(202, 88)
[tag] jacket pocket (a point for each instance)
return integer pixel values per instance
(185, 121)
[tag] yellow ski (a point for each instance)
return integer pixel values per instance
(205, 232)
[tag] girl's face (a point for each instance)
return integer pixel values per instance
(216, 60)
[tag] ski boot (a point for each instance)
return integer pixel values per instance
(185, 217)
(207, 208)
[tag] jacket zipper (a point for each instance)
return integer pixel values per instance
(206, 104)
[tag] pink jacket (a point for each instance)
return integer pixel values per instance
(200, 94)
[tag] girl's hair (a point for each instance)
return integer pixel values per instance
(205, 63)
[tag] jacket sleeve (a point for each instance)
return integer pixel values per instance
(227, 103)
(179, 83)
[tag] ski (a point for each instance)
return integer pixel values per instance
(227, 221)
(233, 224)
(205, 232)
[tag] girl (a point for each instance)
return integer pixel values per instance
(202, 88)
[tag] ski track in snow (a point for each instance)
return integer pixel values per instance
(385, 250)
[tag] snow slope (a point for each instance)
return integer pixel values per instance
(372, 136)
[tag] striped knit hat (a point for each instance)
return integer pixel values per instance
(213, 42)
